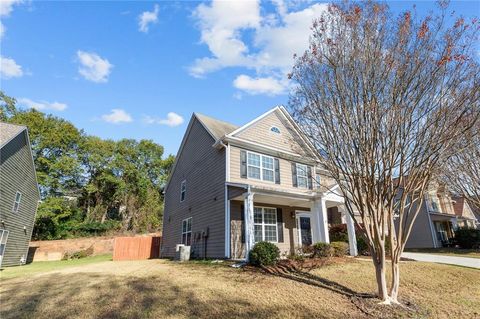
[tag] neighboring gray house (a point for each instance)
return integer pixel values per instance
(19, 194)
(233, 186)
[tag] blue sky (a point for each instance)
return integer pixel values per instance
(139, 69)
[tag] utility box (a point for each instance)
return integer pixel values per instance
(182, 253)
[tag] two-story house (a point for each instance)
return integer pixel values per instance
(19, 194)
(232, 186)
(438, 218)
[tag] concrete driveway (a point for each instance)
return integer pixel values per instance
(451, 260)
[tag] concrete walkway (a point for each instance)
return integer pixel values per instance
(451, 260)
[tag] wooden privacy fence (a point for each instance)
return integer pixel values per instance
(134, 248)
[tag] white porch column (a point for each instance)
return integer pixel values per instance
(320, 221)
(352, 238)
(248, 219)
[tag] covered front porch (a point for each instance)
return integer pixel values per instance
(290, 220)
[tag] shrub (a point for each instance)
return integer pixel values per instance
(468, 238)
(362, 247)
(338, 233)
(322, 250)
(339, 248)
(264, 254)
(78, 254)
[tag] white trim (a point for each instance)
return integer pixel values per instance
(242, 128)
(187, 231)
(298, 214)
(249, 144)
(228, 239)
(261, 168)
(306, 175)
(17, 203)
(263, 223)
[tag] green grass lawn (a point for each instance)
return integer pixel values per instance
(473, 253)
(48, 266)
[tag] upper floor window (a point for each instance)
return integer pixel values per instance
(265, 224)
(317, 181)
(183, 190)
(187, 231)
(275, 129)
(435, 203)
(16, 203)
(260, 167)
(302, 176)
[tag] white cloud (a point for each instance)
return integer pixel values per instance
(9, 68)
(172, 120)
(93, 67)
(117, 116)
(42, 105)
(275, 38)
(147, 18)
(266, 85)
(6, 7)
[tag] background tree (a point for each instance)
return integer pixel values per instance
(462, 172)
(90, 185)
(384, 100)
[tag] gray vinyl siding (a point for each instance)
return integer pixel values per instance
(17, 174)
(421, 234)
(203, 167)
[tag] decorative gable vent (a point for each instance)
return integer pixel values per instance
(275, 129)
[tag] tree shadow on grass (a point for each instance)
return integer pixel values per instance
(92, 295)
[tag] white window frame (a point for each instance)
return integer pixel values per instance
(317, 181)
(275, 129)
(16, 203)
(299, 169)
(433, 198)
(187, 231)
(183, 190)
(261, 167)
(263, 224)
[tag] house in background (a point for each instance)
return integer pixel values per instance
(437, 220)
(19, 194)
(465, 214)
(232, 186)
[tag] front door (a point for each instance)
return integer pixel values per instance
(304, 230)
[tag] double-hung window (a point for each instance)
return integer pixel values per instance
(265, 224)
(183, 190)
(16, 203)
(187, 231)
(260, 167)
(302, 176)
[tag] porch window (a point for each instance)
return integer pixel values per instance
(302, 176)
(187, 231)
(260, 167)
(265, 224)
(16, 203)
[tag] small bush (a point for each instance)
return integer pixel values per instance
(322, 250)
(78, 254)
(264, 254)
(362, 247)
(468, 238)
(339, 248)
(338, 233)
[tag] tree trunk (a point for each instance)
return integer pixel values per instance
(379, 262)
(395, 280)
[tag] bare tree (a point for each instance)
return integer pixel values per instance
(462, 172)
(384, 100)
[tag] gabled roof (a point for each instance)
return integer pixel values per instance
(9, 131)
(215, 127)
